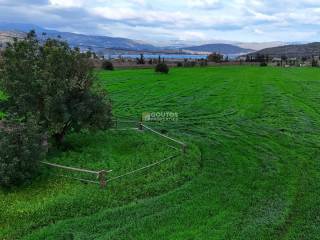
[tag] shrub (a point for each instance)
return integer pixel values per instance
(107, 65)
(203, 63)
(215, 57)
(21, 151)
(141, 60)
(162, 68)
(263, 64)
(314, 63)
(190, 64)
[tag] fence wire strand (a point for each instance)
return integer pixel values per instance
(183, 145)
(140, 169)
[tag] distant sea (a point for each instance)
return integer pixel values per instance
(166, 56)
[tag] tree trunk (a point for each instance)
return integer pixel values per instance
(59, 137)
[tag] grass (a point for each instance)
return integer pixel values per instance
(258, 176)
(51, 199)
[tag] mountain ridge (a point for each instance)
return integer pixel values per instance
(101, 44)
(80, 40)
(295, 50)
(219, 48)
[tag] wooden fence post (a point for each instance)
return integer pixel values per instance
(102, 178)
(184, 148)
(141, 124)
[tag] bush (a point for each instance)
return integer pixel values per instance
(21, 151)
(314, 63)
(190, 64)
(162, 68)
(179, 64)
(215, 57)
(263, 64)
(203, 63)
(107, 65)
(141, 60)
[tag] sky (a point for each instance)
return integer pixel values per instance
(174, 20)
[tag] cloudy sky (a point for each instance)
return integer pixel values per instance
(164, 20)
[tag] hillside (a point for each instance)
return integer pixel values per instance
(80, 40)
(256, 46)
(219, 48)
(7, 36)
(257, 176)
(298, 50)
(100, 43)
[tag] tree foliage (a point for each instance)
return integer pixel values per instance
(215, 57)
(56, 84)
(22, 149)
(162, 68)
(141, 60)
(314, 63)
(107, 65)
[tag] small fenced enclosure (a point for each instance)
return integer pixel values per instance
(124, 124)
(100, 175)
(152, 147)
(181, 145)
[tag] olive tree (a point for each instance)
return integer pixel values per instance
(54, 83)
(22, 148)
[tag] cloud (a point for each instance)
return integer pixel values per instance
(205, 4)
(249, 20)
(67, 3)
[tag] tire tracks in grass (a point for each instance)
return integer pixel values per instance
(302, 109)
(252, 180)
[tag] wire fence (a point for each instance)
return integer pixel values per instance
(182, 145)
(101, 175)
(124, 125)
(142, 168)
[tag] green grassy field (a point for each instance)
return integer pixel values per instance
(253, 170)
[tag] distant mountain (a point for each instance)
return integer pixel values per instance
(19, 27)
(8, 36)
(114, 45)
(101, 42)
(259, 45)
(219, 48)
(80, 40)
(296, 50)
(177, 44)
